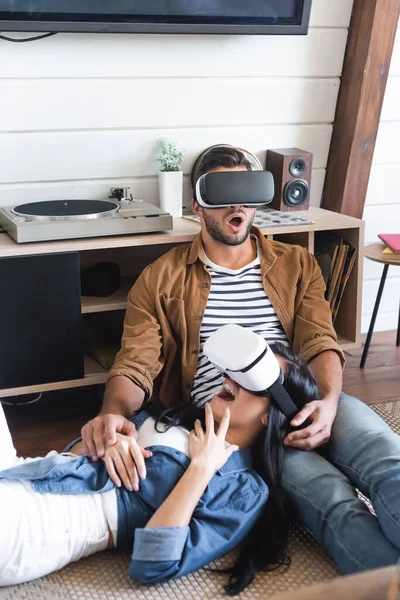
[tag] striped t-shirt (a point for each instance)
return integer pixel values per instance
(236, 296)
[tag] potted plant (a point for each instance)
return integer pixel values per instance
(170, 177)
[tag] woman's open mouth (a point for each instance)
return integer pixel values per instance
(227, 393)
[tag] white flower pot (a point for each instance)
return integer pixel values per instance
(170, 185)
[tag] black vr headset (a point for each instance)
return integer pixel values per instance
(219, 189)
(231, 188)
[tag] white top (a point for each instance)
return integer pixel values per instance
(175, 437)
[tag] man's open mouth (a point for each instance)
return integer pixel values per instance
(236, 220)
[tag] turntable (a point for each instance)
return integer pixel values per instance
(69, 219)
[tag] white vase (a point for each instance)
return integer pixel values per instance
(170, 185)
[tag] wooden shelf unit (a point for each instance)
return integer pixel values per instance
(116, 301)
(134, 252)
(94, 374)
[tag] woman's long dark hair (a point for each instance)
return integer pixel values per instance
(265, 547)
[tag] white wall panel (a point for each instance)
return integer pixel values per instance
(390, 297)
(381, 219)
(387, 149)
(383, 187)
(384, 321)
(317, 186)
(390, 109)
(71, 55)
(53, 156)
(145, 188)
(27, 105)
(331, 13)
(395, 64)
(140, 187)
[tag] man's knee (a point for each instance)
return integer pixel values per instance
(356, 423)
(303, 471)
(319, 493)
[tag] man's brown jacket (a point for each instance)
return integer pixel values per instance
(166, 306)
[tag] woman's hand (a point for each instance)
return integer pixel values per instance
(102, 431)
(208, 454)
(123, 461)
(207, 449)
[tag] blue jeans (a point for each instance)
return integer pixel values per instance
(363, 452)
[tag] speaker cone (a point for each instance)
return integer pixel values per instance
(297, 167)
(296, 192)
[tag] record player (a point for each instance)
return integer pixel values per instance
(69, 219)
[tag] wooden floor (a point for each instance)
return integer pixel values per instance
(379, 381)
(57, 418)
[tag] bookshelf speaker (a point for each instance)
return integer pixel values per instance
(291, 169)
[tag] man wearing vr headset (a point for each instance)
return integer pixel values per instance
(232, 274)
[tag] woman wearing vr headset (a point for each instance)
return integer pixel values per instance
(205, 493)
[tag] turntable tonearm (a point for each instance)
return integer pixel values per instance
(68, 219)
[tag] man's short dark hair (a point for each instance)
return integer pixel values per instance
(220, 156)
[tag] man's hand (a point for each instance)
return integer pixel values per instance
(122, 461)
(322, 414)
(102, 431)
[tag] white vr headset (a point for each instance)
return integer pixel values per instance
(246, 358)
(219, 189)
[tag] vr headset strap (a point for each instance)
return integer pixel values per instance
(283, 400)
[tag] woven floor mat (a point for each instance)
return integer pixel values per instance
(104, 575)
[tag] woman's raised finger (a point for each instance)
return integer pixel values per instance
(224, 424)
(198, 429)
(209, 419)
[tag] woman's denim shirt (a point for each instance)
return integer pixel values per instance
(224, 515)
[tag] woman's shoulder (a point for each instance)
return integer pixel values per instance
(236, 486)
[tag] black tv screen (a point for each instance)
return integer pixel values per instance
(157, 16)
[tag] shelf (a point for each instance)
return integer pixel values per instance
(184, 231)
(94, 374)
(135, 251)
(116, 301)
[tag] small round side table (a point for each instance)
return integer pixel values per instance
(375, 252)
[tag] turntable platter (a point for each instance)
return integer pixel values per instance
(55, 210)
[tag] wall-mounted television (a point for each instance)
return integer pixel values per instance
(252, 17)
